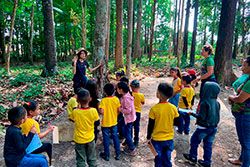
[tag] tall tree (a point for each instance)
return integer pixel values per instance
(175, 22)
(84, 29)
(214, 23)
(108, 30)
(137, 52)
(223, 53)
(7, 61)
(31, 35)
(99, 51)
(119, 34)
(192, 54)
(152, 30)
(185, 46)
(236, 33)
(129, 42)
(170, 29)
(49, 35)
(179, 36)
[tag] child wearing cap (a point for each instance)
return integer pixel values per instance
(79, 69)
(139, 100)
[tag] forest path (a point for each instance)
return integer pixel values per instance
(225, 146)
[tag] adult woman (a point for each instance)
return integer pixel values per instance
(79, 68)
(207, 68)
(241, 111)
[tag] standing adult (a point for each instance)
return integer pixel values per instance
(79, 69)
(241, 111)
(207, 68)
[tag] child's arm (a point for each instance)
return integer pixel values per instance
(185, 102)
(151, 123)
(93, 69)
(45, 133)
(101, 110)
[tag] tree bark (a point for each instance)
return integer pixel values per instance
(185, 46)
(244, 29)
(108, 30)
(84, 34)
(49, 35)
(170, 29)
(99, 50)
(180, 33)
(152, 32)
(137, 50)
(7, 61)
(213, 24)
(236, 33)
(130, 29)
(174, 34)
(178, 28)
(205, 32)
(192, 54)
(31, 35)
(2, 41)
(119, 35)
(223, 53)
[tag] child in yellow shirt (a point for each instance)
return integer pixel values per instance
(186, 102)
(32, 108)
(160, 125)
(109, 108)
(139, 100)
(84, 118)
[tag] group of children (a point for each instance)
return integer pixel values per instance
(120, 112)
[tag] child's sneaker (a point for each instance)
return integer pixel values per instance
(178, 132)
(104, 156)
(129, 152)
(118, 156)
(190, 159)
(201, 162)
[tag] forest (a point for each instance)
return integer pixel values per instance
(144, 38)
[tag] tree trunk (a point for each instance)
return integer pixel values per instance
(223, 53)
(235, 51)
(185, 47)
(170, 26)
(180, 33)
(7, 61)
(236, 33)
(213, 25)
(2, 41)
(244, 29)
(84, 34)
(108, 30)
(137, 50)
(119, 35)
(192, 54)
(49, 35)
(99, 50)
(130, 29)
(174, 34)
(31, 35)
(177, 33)
(152, 31)
(205, 33)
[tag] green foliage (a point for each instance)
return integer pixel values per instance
(33, 92)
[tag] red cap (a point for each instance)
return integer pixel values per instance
(192, 72)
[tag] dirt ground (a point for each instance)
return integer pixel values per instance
(225, 146)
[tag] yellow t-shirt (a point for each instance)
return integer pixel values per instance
(110, 106)
(187, 92)
(26, 126)
(72, 104)
(176, 84)
(163, 114)
(139, 99)
(84, 124)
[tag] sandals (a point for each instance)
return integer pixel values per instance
(235, 161)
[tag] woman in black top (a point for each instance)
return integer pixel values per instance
(79, 69)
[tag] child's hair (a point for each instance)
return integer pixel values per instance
(120, 73)
(83, 96)
(177, 70)
(30, 105)
(187, 78)
(135, 83)
(109, 89)
(91, 87)
(165, 90)
(125, 79)
(124, 86)
(208, 48)
(16, 114)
